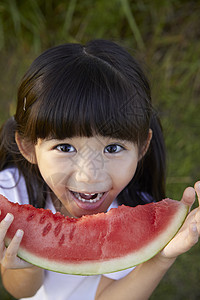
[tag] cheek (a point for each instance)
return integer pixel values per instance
(124, 173)
(127, 175)
(50, 171)
(55, 180)
(56, 173)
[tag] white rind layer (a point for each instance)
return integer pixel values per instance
(116, 264)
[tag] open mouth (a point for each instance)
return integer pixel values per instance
(88, 197)
(89, 201)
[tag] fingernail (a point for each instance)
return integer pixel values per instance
(19, 233)
(8, 217)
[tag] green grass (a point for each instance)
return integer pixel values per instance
(165, 36)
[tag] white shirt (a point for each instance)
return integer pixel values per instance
(55, 286)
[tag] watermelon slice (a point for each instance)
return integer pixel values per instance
(93, 244)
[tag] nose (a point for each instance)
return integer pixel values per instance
(86, 175)
(90, 170)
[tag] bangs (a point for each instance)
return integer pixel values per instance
(86, 99)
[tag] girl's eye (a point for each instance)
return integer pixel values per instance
(65, 148)
(113, 148)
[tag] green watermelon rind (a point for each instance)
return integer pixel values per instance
(87, 268)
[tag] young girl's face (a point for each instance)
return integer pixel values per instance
(86, 174)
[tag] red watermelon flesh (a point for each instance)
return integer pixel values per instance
(94, 244)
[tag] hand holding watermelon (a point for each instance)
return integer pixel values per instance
(189, 233)
(8, 256)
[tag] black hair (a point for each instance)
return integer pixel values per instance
(75, 90)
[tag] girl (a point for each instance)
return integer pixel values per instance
(84, 138)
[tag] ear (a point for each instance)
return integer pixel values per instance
(146, 146)
(26, 148)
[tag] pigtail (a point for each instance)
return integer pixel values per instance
(8, 148)
(156, 162)
(10, 156)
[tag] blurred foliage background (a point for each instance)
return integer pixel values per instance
(165, 36)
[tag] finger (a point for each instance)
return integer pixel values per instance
(4, 225)
(10, 258)
(197, 190)
(188, 197)
(11, 252)
(193, 236)
(196, 218)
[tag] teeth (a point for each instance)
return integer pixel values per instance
(99, 195)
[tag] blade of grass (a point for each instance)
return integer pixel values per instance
(33, 19)
(132, 23)
(2, 40)
(15, 16)
(69, 16)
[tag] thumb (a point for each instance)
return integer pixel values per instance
(197, 189)
(188, 197)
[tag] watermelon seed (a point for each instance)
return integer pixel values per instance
(62, 239)
(71, 235)
(30, 217)
(58, 229)
(46, 229)
(42, 219)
